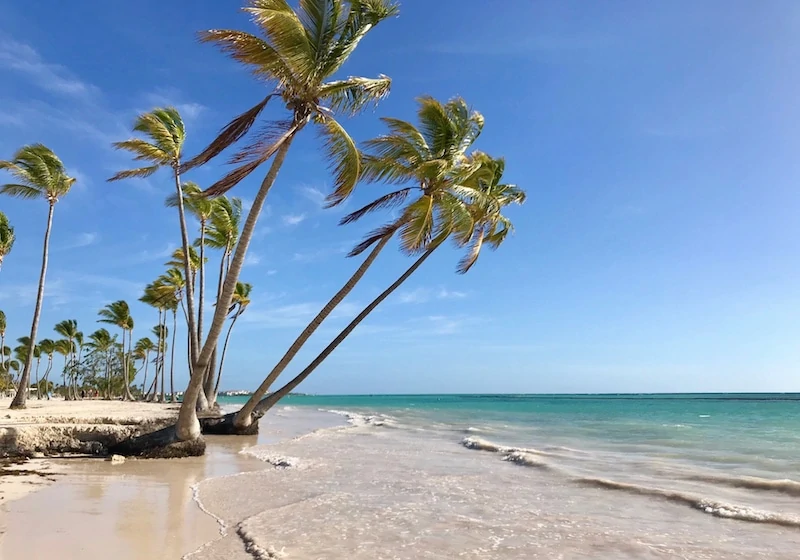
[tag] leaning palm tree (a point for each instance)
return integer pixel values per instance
(6, 237)
(2, 330)
(430, 160)
(241, 299)
(119, 314)
(39, 174)
(165, 134)
(298, 51)
(489, 227)
(142, 351)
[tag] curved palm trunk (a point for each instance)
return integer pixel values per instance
(194, 343)
(146, 361)
(211, 386)
(188, 427)
(126, 394)
(47, 374)
(243, 417)
(38, 388)
(22, 392)
(64, 379)
(273, 399)
(172, 357)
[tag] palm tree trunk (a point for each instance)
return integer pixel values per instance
(272, 399)
(172, 357)
(64, 379)
(146, 360)
(22, 392)
(224, 351)
(47, 374)
(188, 427)
(212, 380)
(38, 388)
(244, 415)
(187, 270)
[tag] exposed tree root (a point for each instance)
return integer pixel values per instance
(224, 426)
(161, 444)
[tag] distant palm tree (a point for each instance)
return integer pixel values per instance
(6, 237)
(142, 351)
(241, 299)
(37, 353)
(176, 261)
(64, 348)
(119, 314)
(299, 51)
(174, 283)
(47, 347)
(69, 330)
(103, 343)
(165, 134)
(2, 330)
(39, 174)
(489, 226)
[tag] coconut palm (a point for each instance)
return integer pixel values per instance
(299, 51)
(241, 299)
(37, 353)
(165, 134)
(430, 160)
(222, 234)
(104, 344)
(490, 227)
(142, 351)
(176, 261)
(39, 174)
(69, 330)
(47, 347)
(172, 284)
(6, 237)
(2, 330)
(119, 314)
(64, 348)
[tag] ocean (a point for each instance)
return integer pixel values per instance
(536, 476)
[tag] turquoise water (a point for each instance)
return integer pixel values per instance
(644, 476)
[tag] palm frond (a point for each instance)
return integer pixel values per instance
(143, 151)
(345, 161)
(156, 125)
(321, 20)
(418, 222)
(352, 95)
(21, 191)
(390, 200)
(232, 132)
(285, 32)
(362, 17)
(253, 51)
(139, 173)
(373, 237)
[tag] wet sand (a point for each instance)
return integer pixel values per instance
(134, 510)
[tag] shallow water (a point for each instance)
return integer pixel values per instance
(520, 477)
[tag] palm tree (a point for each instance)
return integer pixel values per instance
(37, 353)
(69, 330)
(39, 174)
(103, 343)
(241, 299)
(119, 314)
(299, 52)
(222, 234)
(2, 330)
(173, 285)
(166, 133)
(64, 348)
(46, 346)
(142, 351)
(176, 262)
(489, 227)
(431, 160)
(6, 237)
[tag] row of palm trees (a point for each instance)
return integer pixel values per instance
(442, 188)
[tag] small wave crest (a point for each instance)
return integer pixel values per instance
(276, 460)
(358, 419)
(783, 486)
(481, 444)
(711, 507)
(526, 460)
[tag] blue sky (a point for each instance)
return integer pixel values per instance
(658, 249)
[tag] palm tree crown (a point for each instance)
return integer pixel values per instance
(299, 51)
(166, 133)
(39, 174)
(6, 237)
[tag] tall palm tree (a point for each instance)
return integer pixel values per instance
(223, 234)
(69, 330)
(176, 262)
(142, 351)
(241, 299)
(173, 285)
(431, 161)
(298, 51)
(2, 330)
(6, 237)
(103, 343)
(165, 134)
(119, 314)
(47, 347)
(490, 227)
(39, 174)
(37, 353)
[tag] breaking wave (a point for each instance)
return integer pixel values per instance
(358, 419)
(783, 486)
(705, 505)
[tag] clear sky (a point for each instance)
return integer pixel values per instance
(658, 249)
